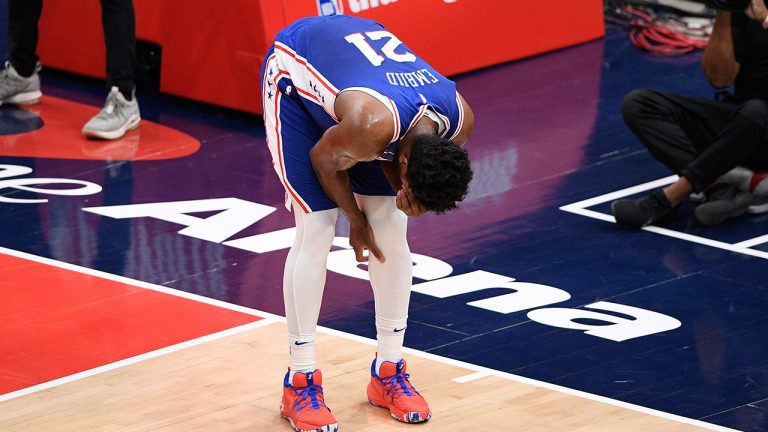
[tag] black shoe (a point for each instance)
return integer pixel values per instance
(723, 201)
(644, 211)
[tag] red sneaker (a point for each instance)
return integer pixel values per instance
(303, 403)
(758, 185)
(391, 389)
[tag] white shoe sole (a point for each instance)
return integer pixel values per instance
(132, 123)
(327, 428)
(28, 98)
(758, 209)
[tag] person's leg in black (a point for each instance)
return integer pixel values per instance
(675, 129)
(119, 21)
(742, 142)
(23, 16)
(121, 111)
(19, 80)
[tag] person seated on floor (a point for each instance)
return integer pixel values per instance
(703, 140)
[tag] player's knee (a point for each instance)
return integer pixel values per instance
(320, 227)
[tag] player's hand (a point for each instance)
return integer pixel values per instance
(361, 239)
(757, 10)
(408, 204)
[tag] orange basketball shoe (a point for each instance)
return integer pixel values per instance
(391, 389)
(303, 403)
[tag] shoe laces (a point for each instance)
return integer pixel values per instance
(110, 105)
(397, 385)
(310, 397)
(5, 74)
(657, 201)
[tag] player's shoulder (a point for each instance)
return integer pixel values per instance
(367, 115)
(359, 105)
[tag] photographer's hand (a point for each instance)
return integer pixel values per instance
(719, 60)
(757, 10)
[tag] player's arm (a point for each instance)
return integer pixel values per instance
(469, 123)
(363, 132)
(719, 60)
(392, 174)
(404, 200)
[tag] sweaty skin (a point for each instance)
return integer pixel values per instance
(364, 131)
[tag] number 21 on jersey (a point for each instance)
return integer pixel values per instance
(376, 59)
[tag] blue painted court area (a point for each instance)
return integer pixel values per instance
(651, 319)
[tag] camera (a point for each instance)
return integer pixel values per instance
(732, 5)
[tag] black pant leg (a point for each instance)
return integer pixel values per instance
(741, 142)
(119, 21)
(23, 16)
(676, 129)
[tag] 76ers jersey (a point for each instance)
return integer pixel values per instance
(324, 56)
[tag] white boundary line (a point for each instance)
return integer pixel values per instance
(580, 208)
(471, 377)
(479, 371)
(137, 283)
(136, 359)
(753, 242)
(622, 193)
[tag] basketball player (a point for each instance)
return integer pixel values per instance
(356, 122)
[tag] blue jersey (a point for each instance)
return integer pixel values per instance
(324, 56)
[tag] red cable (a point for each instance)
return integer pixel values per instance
(650, 34)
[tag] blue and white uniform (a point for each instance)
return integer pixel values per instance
(315, 59)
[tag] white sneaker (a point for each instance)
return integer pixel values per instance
(17, 90)
(116, 118)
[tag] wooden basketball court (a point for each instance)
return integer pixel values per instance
(231, 381)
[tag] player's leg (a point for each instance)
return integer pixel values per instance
(304, 282)
(391, 280)
(390, 386)
(290, 135)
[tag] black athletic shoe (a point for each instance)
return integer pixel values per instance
(644, 211)
(723, 202)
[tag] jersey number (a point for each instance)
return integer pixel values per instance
(376, 59)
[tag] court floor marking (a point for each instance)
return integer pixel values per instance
(581, 208)
(135, 359)
(268, 318)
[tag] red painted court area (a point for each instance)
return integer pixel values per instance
(56, 322)
(60, 137)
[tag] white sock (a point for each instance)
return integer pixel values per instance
(391, 280)
(304, 281)
(390, 342)
(293, 371)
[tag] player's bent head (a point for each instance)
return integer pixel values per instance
(438, 172)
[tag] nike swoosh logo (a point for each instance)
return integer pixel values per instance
(397, 330)
(300, 343)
